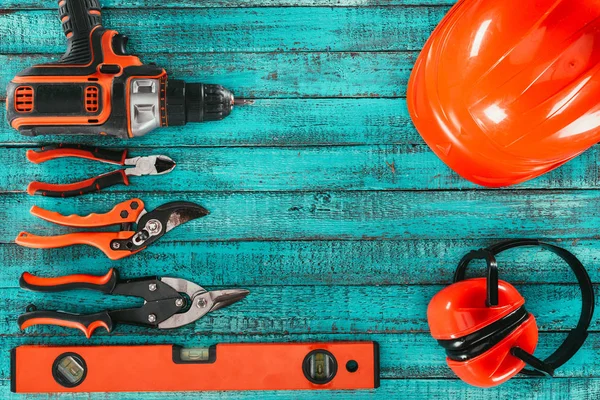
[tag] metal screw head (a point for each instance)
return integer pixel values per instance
(153, 226)
(179, 302)
(152, 287)
(151, 318)
(116, 245)
(201, 303)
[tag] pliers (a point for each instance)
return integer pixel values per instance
(138, 228)
(169, 302)
(150, 165)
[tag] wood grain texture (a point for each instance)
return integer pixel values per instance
(269, 75)
(301, 309)
(324, 200)
(107, 4)
(238, 29)
(382, 167)
(299, 263)
(404, 355)
(277, 122)
(418, 389)
(370, 215)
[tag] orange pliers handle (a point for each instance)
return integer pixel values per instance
(86, 323)
(100, 240)
(47, 153)
(91, 185)
(76, 189)
(126, 212)
(104, 283)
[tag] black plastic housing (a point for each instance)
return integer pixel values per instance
(196, 102)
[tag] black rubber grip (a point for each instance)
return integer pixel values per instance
(95, 153)
(117, 177)
(106, 155)
(79, 18)
(87, 323)
(105, 284)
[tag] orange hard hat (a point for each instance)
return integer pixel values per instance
(505, 91)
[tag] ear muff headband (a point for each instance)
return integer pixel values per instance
(576, 336)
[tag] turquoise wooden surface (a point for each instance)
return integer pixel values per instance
(325, 201)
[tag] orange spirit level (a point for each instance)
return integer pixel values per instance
(157, 368)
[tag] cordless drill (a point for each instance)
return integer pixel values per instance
(97, 88)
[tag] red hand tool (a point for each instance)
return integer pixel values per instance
(149, 165)
(168, 302)
(151, 226)
(157, 368)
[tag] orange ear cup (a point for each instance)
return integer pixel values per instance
(479, 338)
(483, 325)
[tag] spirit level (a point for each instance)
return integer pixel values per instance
(157, 368)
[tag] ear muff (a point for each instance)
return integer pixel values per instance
(483, 325)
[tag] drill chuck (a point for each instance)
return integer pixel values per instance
(197, 102)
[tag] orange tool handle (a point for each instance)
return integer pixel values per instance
(105, 284)
(100, 240)
(117, 157)
(159, 368)
(85, 323)
(125, 212)
(79, 188)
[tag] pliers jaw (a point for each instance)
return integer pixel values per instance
(150, 165)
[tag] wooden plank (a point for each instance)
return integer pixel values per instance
(269, 75)
(290, 278)
(357, 263)
(270, 169)
(330, 215)
(294, 122)
(302, 309)
(417, 389)
(403, 356)
(534, 389)
(238, 29)
(290, 168)
(106, 4)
